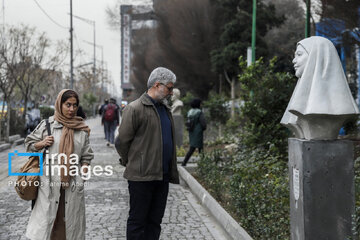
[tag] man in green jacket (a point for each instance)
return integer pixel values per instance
(146, 144)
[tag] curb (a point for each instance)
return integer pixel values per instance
(13, 138)
(19, 141)
(225, 220)
(191, 160)
(4, 146)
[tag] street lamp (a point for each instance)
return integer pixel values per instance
(71, 48)
(253, 34)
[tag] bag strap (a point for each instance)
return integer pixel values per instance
(48, 127)
(46, 148)
(44, 154)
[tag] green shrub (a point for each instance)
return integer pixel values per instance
(213, 171)
(216, 108)
(259, 188)
(255, 177)
(46, 112)
(186, 101)
(266, 94)
(252, 186)
(180, 151)
(87, 101)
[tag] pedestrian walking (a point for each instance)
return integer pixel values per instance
(106, 101)
(110, 120)
(101, 111)
(146, 144)
(196, 125)
(59, 210)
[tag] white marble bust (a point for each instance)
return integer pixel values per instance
(177, 104)
(321, 101)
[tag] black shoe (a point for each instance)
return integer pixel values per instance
(183, 164)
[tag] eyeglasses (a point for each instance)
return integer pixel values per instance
(170, 89)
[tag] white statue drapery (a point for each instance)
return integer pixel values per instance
(322, 100)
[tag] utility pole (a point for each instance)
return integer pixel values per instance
(71, 49)
(3, 15)
(94, 71)
(307, 24)
(253, 34)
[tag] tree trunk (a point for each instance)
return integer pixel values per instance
(8, 114)
(233, 98)
(2, 116)
(220, 83)
(25, 110)
(232, 85)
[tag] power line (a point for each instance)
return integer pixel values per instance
(78, 46)
(49, 15)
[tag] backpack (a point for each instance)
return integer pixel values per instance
(110, 112)
(190, 124)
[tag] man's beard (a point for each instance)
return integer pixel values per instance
(166, 100)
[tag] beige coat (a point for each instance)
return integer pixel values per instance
(139, 142)
(44, 213)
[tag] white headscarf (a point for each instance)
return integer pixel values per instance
(322, 88)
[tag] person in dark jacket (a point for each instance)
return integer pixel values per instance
(146, 144)
(110, 119)
(101, 111)
(80, 113)
(106, 102)
(196, 116)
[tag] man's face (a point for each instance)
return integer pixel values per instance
(164, 91)
(300, 60)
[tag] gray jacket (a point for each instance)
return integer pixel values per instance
(139, 142)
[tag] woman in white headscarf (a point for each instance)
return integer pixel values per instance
(321, 101)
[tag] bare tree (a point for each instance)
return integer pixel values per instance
(11, 67)
(187, 33)
(145, 49)
(7, 85)
(49, 88)
(28, 60)
(181, 42)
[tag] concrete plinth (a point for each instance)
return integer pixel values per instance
(179, 129)
(322, 198)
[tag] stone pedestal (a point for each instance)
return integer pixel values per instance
(179, 129)
(322, 199)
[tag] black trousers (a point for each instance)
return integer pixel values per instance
(147, 207)
(188, 155)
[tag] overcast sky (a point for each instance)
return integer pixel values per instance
(28, 12)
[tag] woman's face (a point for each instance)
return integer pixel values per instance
(69, 107)
(300, 60)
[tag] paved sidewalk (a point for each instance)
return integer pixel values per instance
(107, 203)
